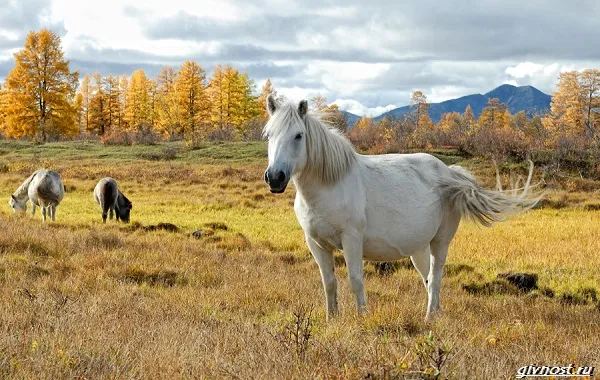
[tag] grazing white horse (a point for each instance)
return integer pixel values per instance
(43, 188)
(377, 208)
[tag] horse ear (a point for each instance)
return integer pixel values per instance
(13, 197)
(272, 104)
(303, 108)
(130, 205)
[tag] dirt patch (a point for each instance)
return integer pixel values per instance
(164, 278)
(216, 226)
(169, 227)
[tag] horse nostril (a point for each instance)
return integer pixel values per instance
(266, 176)
(281, 177)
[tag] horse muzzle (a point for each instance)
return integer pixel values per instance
(277, 181)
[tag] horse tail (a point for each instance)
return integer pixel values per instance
(45, 190)
(481, 205)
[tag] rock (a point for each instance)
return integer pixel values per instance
(200, 233)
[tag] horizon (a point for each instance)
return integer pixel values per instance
(366, 58)
(445, 100)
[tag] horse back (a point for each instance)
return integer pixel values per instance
(47, 186)
(106, 193)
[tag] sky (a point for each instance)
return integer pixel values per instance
(367, 57)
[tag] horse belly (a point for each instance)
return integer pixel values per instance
(382, 250)
(399, 234)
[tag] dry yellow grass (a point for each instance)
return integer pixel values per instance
(79, 299)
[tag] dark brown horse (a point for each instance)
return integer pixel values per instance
(108, 196)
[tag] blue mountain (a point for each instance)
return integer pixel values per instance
(523, 98)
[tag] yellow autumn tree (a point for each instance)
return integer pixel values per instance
(266, 90)
(495, 116)
(424, 129)
(192, 101)
(493, 135)
(3, 106)
(248, 106)
(40, 90)
(363, 133)
(336, 118)
(123, 86)
(137, 106)
(98, 110)
(566, 116)
(419, 110)
(167, 107)
(224, 96)
(329, 113)
(452, 128)
(78, 104)
(86, 92)
(112, 93)
(589, 82)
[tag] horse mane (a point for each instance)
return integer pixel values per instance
(21, 191)
(329, 154)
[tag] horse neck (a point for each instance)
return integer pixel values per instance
(22, 190)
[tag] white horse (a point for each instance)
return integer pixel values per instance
(43, 188)
(378, 208)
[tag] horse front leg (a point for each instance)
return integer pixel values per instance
(43, 213)
(352, 245)
(324, 260)
(53, 213)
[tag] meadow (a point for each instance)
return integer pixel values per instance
(243, 298)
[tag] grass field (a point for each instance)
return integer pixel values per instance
(79, 299)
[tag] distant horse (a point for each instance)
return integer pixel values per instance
(110, 198)
(43, 188)
(379, 208)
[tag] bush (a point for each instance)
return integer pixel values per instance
(227, 133)
(146, 135)
(116, 137)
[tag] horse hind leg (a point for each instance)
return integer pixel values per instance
(439, 252)
(421, 261)
(33, 209)
(43, 213)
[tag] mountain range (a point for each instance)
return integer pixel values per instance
(523, 98)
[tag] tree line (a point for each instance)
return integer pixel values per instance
(43, 99)
(571, 127)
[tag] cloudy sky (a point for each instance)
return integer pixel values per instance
(365, 56)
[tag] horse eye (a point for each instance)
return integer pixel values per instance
(298, 136)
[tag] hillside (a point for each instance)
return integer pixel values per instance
(523, 98)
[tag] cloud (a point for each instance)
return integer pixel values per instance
(355, 107)
(367, 54)
(19, 17)
(524, 69)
